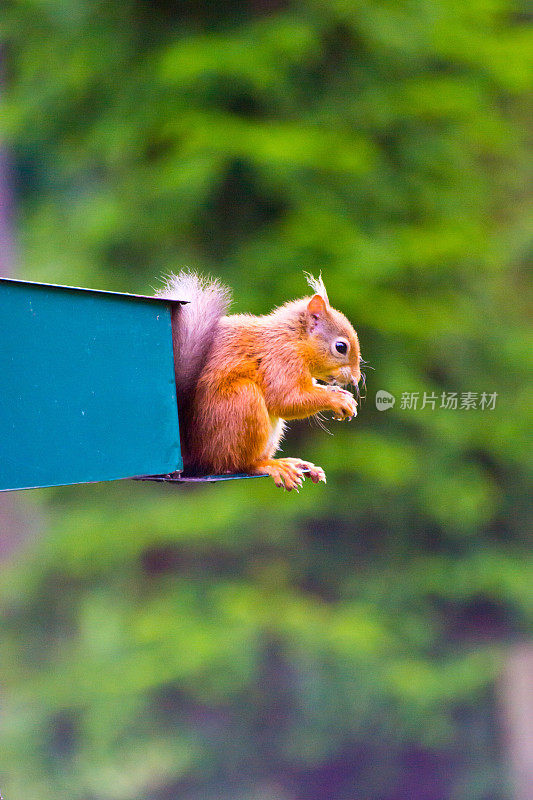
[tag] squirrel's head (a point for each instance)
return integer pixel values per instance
(334, 343)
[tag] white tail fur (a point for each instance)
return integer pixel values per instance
(193, 326)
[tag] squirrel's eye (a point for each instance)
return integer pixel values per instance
(341, 346)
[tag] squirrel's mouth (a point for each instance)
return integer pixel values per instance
(328, 380)
(344, 377)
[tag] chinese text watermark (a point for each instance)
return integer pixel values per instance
(418, 401)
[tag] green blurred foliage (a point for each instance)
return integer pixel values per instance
(232, 642)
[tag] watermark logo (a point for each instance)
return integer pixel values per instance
(384, 400)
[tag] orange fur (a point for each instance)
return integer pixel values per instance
(259, 372)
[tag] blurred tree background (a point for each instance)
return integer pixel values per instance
(233, 642)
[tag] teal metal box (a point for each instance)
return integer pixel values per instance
(87, 386)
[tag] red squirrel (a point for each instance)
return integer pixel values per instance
(240, 377)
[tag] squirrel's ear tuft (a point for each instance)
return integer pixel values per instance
(317, 285)
(316, 307)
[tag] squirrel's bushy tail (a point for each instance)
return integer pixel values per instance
(193, 327)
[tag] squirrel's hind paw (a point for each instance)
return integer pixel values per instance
(316, 474)
(289, 472)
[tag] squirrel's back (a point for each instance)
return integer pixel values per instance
(194, 328)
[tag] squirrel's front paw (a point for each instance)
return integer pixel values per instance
(343, 404)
